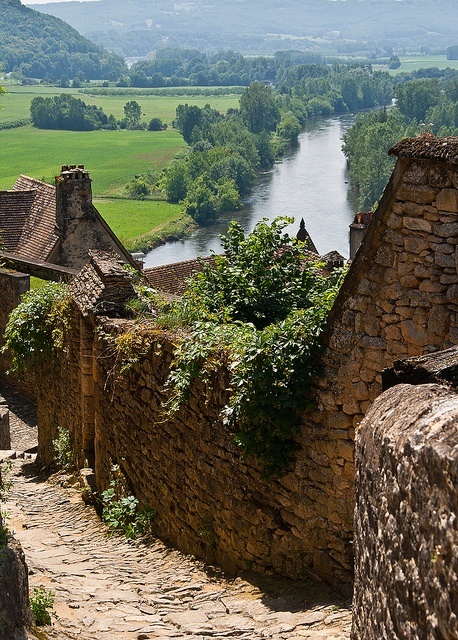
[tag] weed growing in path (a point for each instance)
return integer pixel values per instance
(42, 605)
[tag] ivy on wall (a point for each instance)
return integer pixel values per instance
(37, 326)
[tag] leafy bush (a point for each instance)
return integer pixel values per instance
(38, 325)
(41, 604)
(259, 315)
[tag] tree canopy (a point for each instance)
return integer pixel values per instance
(66, 112)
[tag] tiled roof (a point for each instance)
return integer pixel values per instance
(14, 211)
(39, 235)
(427, 147)
(171, 278)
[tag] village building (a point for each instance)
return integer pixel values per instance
(55, 225)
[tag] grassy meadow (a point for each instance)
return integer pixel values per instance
(16, 103)
(131, 220)
(113, 158)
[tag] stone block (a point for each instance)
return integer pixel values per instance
(417, 174)
(444, 260)
(414, 334)
(420, 194)
(446, 230)
(447, 200)
(415, 244)
(417, 224)
(384, 256)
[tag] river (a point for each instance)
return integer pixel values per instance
(310, 182)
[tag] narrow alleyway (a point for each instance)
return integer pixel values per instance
(109, 588)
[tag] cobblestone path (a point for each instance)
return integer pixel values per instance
(108, 588)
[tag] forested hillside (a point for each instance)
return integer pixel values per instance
(38, 45)
(137, 27)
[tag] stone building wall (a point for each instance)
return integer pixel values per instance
(399, 299)
(406, 529)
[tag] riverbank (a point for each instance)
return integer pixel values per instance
(168, 232)
(309, 182)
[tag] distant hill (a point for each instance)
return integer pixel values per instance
(37, 44)
(135, 27)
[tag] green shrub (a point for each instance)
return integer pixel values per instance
(121, 512)
(41, 605)
(62, 447)
(259, 314)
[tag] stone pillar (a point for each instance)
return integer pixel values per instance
(15, 615)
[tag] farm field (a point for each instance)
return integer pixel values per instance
(16, 103)
(111, 157)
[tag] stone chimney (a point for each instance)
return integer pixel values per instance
(358, 230)
(73, 196)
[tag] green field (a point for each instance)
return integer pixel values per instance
(113, 158)
(16, 103)
(131, 219)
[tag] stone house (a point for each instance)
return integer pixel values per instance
(55, 224)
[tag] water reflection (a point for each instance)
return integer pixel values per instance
(310, 182)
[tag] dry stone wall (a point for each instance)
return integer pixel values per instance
(406, 531)
(399, 299)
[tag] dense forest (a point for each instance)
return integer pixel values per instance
(137, 27)
(38, 45)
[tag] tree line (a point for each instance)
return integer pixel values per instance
(67, 112)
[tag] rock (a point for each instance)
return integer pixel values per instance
(15, 615)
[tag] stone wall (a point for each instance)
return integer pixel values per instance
(406, 531)
(399, 299)
(5, 434)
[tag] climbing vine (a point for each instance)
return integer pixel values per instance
(36, 328)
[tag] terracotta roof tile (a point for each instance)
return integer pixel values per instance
(171, 278)
(39, 235)
(14, 211)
